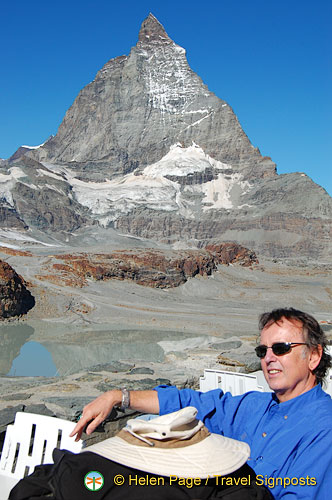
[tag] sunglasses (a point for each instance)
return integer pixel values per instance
(279, 348)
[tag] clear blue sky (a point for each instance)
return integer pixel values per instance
(270, 60)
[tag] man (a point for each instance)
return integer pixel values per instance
(289, 431)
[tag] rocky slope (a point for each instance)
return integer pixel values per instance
(151, 267)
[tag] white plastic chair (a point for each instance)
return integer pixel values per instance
(328, 383)
(30, 441)
(233, 382)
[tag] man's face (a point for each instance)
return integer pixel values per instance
(291, 374)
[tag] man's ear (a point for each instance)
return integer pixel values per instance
(315, 357)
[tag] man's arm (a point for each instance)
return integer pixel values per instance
(95, 412)
(213, 407)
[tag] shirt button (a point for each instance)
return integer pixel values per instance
(286, 417)
(264, 434)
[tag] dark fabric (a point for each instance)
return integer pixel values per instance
(65, 481)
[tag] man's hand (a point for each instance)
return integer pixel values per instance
(96, 412)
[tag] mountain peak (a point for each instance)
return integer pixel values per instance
(152, 30)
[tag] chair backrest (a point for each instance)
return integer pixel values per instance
(328, 381)
(31, 440)
(233, 382)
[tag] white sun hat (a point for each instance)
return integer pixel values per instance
(174, 444)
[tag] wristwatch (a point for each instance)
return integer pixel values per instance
(125, 402)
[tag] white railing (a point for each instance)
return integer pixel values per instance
(233, 382)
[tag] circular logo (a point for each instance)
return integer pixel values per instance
(93, 480)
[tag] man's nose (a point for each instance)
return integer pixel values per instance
(269, 356)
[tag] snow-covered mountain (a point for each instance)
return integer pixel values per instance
(140, 105)
(148, 150)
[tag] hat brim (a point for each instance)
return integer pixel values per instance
(214, 455)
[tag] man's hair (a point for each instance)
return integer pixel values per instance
(312, 330)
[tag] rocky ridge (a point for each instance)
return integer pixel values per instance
(151, 267)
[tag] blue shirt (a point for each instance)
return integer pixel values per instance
(290, 442)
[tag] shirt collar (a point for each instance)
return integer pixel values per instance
(304, 398)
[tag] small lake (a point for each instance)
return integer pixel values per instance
(53, 350)
(33, 360)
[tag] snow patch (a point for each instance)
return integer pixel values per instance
(195, 111)
(8, 245)
(121, 196)
(245, 205)
(152, 189)
(17, 173)
(218, 191)
(7, 183)
(196, 122)
(58, 177)
(181, 161)
(170, 82)
(53, 188)
(15, 235)
(33, 147)
(179, 49)
(5, 178)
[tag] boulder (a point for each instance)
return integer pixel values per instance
(15, 298)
